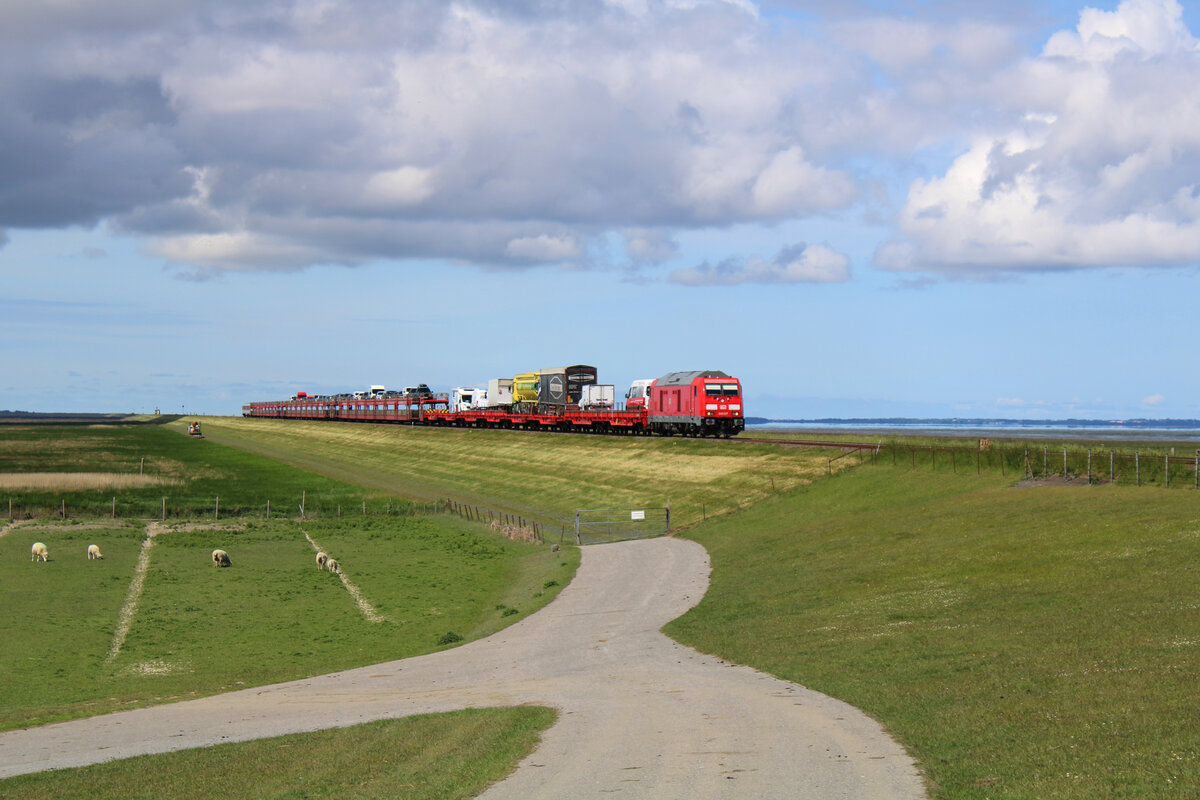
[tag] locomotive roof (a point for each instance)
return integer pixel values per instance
(686, 378)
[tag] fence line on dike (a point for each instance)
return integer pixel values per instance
(514, 526)
(1091, 465)
(214, 509)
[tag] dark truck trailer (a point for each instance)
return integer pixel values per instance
(552, 388)
(573, 378)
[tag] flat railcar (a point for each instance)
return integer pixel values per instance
(435, 410)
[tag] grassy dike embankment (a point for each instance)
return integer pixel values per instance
(1021, 642)
(545, 476)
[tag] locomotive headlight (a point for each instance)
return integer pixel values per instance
(712, 407)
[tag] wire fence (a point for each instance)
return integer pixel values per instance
(512, 526)
(1162, 467)
(213, 508)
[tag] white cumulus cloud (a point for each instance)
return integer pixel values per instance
(1099, 166)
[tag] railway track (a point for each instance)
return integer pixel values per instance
(808, 443)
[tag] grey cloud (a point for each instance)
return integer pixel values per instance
(797, 263)
(499, 133)
(274, 135)
(648, 246)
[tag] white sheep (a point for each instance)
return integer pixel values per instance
(94, 552)
(333, 566)
(220, 558)
(322, 560)
(39, 552)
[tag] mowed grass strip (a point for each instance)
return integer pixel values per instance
(80, 481)
(272, 616)
(1022, 643)
(433, 757)
(544, 474)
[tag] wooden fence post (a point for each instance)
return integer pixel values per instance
(1168, 458)
(1137, 467)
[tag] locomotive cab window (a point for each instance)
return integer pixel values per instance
(721, 390)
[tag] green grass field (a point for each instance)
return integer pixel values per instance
(275, 616)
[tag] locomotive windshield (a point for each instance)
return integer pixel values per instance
(721, 389)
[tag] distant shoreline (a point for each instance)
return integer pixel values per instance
(82, 418)
(985, 422)
(1132, 429)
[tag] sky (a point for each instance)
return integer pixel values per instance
(860, 208)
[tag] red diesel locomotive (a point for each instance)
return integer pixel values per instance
(696, 404)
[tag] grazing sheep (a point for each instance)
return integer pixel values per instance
(322, 561)
(220, 558)
(333, 566)
(39, 552)
(94, 552)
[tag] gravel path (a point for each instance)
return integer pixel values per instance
(639, 714)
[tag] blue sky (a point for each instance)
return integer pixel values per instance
(873, 209)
